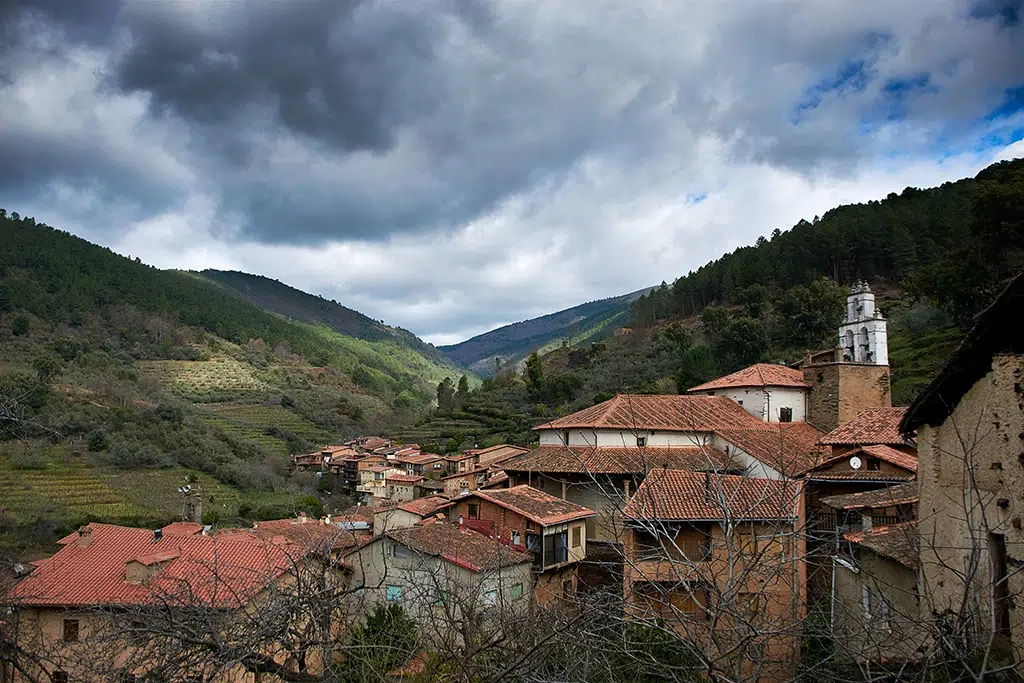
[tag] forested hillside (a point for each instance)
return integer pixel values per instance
(275, 296)
(934, 257)
(119, 381)
(508, 345)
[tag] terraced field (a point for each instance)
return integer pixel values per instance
(248, 421)
(211, 381)
(73, 489)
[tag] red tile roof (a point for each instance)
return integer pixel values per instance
(888, 454)
(606, 460)
(900, 494)
(759, 375)
(897, 542)
(403, 478)
(537, 506)
(859, 475)
(459, 546)
(695, 496)
(660, 413)
(786, 447)
(873, 426)
(196, 569)
(426, 506)
(184, 528)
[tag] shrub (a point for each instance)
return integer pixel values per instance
(19, 326)
(27, 460)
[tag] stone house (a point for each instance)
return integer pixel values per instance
(598, 456)
(441, 574)
(401, 486)
(66, 609)
(408, 513)
(874, 605)
(970, 436)
(552, 529)
(719, 559)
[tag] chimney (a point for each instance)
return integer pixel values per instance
(302, 517)
(157, 535)
(84, 536)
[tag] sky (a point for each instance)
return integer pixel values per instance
(451, 166)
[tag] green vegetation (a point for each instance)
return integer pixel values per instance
(506, 346)
(118, 381)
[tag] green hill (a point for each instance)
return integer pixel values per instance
(116, 375)
(512, 343)
(934, 257)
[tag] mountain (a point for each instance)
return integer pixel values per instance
(512, 343)
(119, 382)
(293, 303)
(934, 257)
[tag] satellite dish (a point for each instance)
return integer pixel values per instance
(855, 462)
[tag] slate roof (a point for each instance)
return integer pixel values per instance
(659, 413)
(695, 496)
(997, 329)
(899, 542)
(872, 426)
(459, 546)
(607, 460)
(758, 375)
(208, 570)
(537, 506)
(901, 494)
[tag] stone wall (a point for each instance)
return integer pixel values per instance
(840, 391)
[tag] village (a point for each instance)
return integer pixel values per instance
(726, 517)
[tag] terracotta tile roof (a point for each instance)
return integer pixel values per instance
(184, 528)
(606, 460)
(759, 375)
(897, 542)
(431, 485)
(860, 475)
(495, 480)
(196, 569)
(695, 496)
(459, 546)
(421, 458)
(901, 494)
(660, 413)
(356, 513)
(403, 478)
(537, 506)
(789, 447)
(873, 426)
(499, 453)
(426, 506)
(309, 534)
(888, 454)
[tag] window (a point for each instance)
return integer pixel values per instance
(490, 598)
(556, 548)
(565, 438)
(70, 630)
(641, 441)
(400, 551)
(577, 536)
(60, 677)
(874, 464)
(785, 414)
(393, 593)
(440, 598)
(473, 510)
(517, 591)
(516, 538)
(1000, 592)
(740, 402)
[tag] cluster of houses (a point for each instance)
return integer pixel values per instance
(725, 514)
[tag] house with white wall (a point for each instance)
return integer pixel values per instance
(772, 393)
